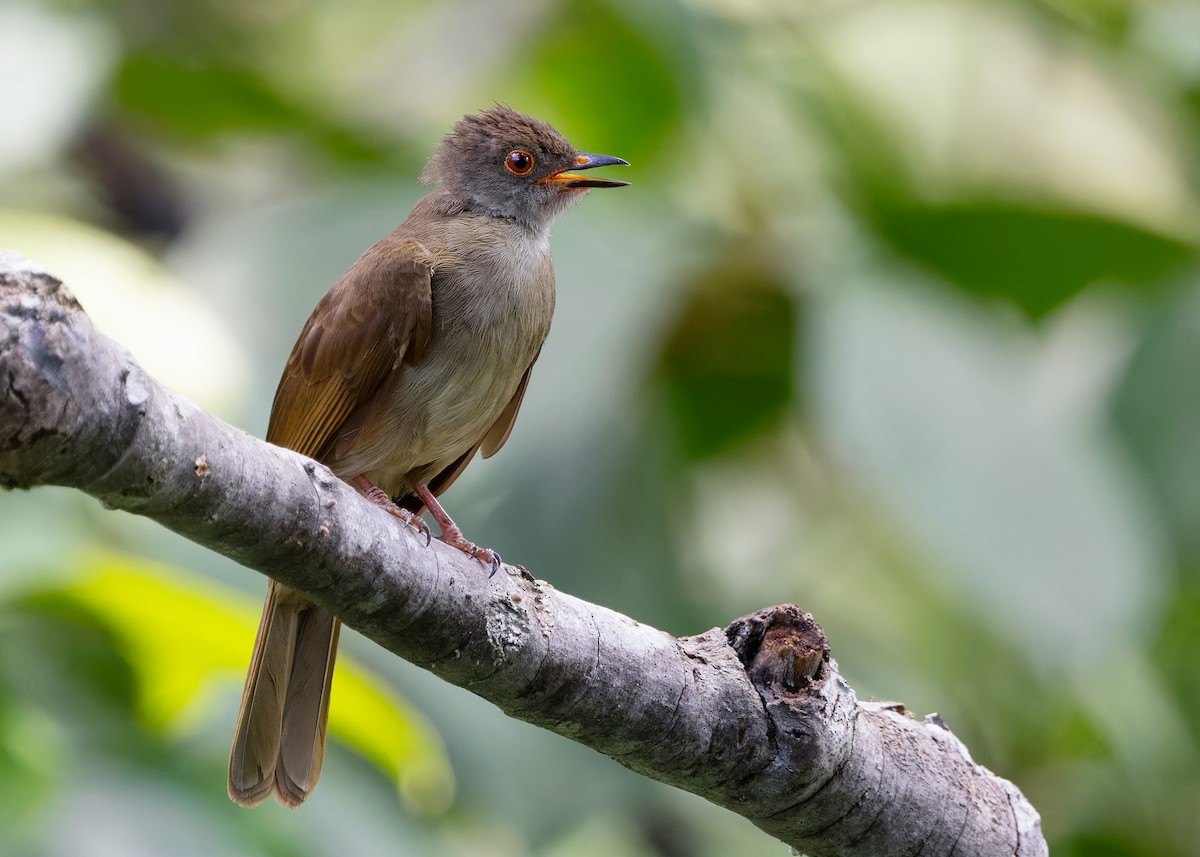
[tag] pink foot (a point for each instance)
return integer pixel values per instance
(380, 498)
(452, 535)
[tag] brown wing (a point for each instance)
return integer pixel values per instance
(503, 426)
(376, 317)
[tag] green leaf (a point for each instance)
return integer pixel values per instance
(1015, 242)
(1035, 254)
(727, 360)
(200, 100)
(184, 636)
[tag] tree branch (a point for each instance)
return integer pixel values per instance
(755, 717)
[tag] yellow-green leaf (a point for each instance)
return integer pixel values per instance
(186, 637)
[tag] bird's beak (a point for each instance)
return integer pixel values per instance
(587, 162)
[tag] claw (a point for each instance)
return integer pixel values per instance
(379, 497)
(454, 538)
(411, 520)
(418, 524)
(488, 555)
(452, 535)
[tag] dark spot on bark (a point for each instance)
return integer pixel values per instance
(48, 361)
(781, 646)
(16, 393)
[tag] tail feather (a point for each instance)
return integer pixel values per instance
(306, 707)
(279, 741)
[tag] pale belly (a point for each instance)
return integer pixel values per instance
(436, 411)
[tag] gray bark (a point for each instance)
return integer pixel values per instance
(754, 717)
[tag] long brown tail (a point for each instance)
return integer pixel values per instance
(279, 741)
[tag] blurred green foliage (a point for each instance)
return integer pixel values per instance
(197, 103)
(1032, 255)
(727, 361)
(899, 322)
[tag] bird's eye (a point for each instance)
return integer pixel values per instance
(519, 162)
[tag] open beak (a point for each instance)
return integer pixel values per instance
(587, 162)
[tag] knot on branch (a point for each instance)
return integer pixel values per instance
(781, 647)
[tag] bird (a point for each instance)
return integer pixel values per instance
(415, 360)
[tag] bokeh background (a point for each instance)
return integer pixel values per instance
(900, 321)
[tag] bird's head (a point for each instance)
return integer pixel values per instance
(506, 164)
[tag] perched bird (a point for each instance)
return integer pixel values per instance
(416, 359)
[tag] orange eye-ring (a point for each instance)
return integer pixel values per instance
(519, 162)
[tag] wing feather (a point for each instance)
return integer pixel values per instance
(503, 426)
(374, 319)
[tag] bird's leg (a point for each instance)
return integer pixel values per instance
(451, 534)
(380, 498)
